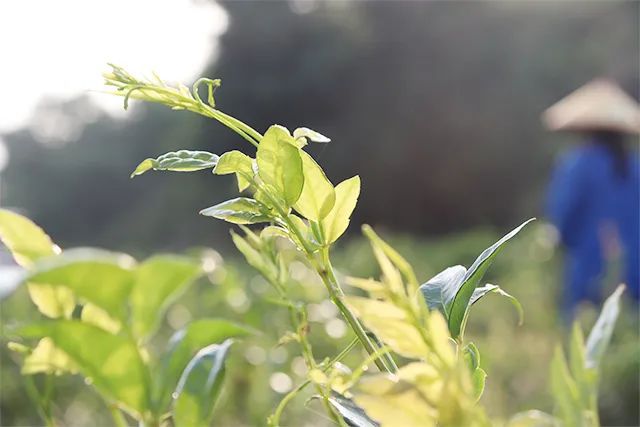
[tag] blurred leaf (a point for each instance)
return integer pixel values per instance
(254, 258)
(389, 323)
(159, 281)
(601, 333)
(240, 210)
(310, 134)
(199, 386)
(46, 358)
(318, 195)
(111, 362)
(472, 356)
(280, 165)
(352, 414)
(25, 240)
(101, 277)
(178, 161)
(52, 301)
(533, 418)
(441, 289)
(183, 346)
(95, 315)
(461, 302)
(564, 390)
(484, 290)
(236, 162)
(398, 260)
(478, 378)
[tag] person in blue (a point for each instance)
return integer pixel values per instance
(594, 194)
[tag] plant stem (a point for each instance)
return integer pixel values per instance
(325, 270)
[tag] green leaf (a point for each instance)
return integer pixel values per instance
(159, 281)
(238, 163)
(280, 164)
(183, 346)
(255, 259)
(350, 412)
(337, 221)
(52, 300)
(111, 362)
(478, 379)
(472, 356)
(240, 210)
(47, 358)
(25, 240)
(488, 288)
(101, 277)
(461, 302)
(95, 315)
(318, 195)
(441, 289)
(600, 335)
(390, 324)
(564, 390)
(178, 161)
(199, 386)
(310, 134)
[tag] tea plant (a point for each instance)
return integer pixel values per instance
(102, 309)
(440, 378)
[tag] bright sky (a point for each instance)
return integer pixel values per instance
(59, 48)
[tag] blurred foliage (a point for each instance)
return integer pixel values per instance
(516, 357)
(454, 89)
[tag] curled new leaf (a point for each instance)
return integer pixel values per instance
(240, 210)
(310, 134)
(236, 162)
(178, 161)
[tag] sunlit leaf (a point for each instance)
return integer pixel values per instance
(159, 281)
(101, 277)
(389, 324)
(236, 162)
(352, 414)
(601, 332)
(280, 165)
(25, 240)
(337, 221)
(312, 135)
(254, 258)
(240, 210)
(178, 161)
(46, 358)
(394, 257)
(318, 195)
(184, 345)
(95, 315)
(460, 304)
(199, 386)
(111, 362)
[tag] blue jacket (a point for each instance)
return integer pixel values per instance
(588, 195)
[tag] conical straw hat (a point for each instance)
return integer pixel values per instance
(599, 105)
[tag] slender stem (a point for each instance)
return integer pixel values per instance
(325, 270)
(117, 417)
(32, 391)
